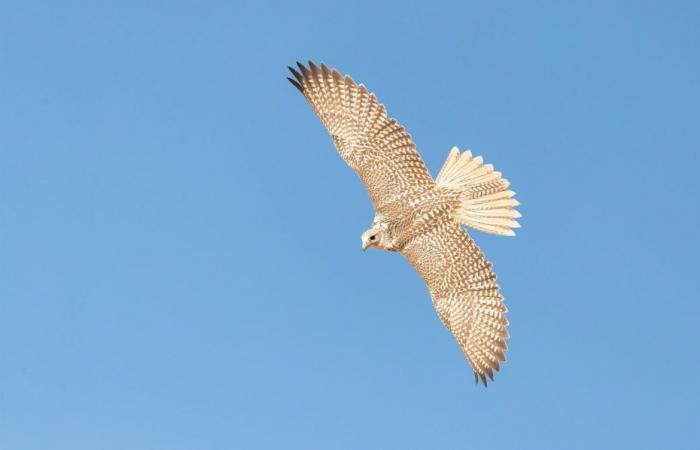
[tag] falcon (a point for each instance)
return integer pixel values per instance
(421, 217)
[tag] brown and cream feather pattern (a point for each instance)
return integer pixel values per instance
(421, 216)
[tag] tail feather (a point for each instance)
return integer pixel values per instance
(486, 203)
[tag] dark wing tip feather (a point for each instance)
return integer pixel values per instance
(479, 376)
(297, 75)
(296, 85)
(303, 69)
(308, 74)
(313, 67)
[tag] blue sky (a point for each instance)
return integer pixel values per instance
(180, 261)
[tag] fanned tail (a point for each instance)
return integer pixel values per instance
(486, 204)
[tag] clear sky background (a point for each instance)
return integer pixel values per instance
(180, 263)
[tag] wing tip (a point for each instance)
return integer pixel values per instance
(304, 74)
(303, 69)
(485, 376)
(313, 67)
(297, 75)
(296, 85)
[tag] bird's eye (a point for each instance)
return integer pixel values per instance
(371, 238)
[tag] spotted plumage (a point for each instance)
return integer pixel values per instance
(420, 217)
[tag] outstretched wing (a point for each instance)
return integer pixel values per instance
(375, 146)
(464, 292)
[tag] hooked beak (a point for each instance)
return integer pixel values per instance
(365, 244)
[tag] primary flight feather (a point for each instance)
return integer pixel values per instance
(420, 217)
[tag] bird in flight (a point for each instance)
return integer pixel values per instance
(421, 217)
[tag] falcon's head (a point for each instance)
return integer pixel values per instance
(375, 237)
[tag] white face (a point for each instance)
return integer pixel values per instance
(372, 237)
